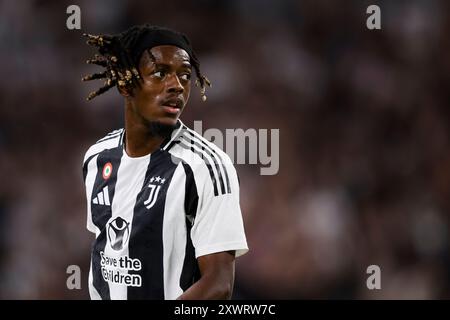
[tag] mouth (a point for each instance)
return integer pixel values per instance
(173, 105)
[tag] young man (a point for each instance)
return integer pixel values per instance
(162, 201)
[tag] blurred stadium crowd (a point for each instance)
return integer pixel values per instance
(364, 140)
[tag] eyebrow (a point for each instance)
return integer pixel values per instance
(185, 64)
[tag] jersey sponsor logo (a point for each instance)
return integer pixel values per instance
(118, 233)
(102, 198)
(116, 270)
(107, 170)
(155, 186)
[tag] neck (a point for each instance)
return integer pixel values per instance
(139, 139)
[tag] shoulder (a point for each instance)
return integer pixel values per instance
(189, 145)
(112, 140)
(209, 163)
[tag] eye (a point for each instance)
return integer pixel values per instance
(185, 76)
(159, 74)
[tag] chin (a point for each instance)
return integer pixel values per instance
(169, 121)
(162, 127)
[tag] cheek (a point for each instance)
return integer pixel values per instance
(150, 92)
(187, 92)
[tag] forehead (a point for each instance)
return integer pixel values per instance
(166, 54)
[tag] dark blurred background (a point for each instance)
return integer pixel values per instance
(364, 139)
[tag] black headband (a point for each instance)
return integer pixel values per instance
(159, 37)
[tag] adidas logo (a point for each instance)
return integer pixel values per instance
(102, 198)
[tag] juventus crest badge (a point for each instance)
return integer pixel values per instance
(155, 186)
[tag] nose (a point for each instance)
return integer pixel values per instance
(174, 84)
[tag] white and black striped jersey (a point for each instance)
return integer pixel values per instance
(154, 215)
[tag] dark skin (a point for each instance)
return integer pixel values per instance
(163, 93)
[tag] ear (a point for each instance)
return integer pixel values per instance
(124, 92)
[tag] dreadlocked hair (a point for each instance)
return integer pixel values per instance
(121, 71)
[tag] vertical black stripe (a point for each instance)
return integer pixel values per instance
(122, 134)
(102, 213)
(85, 166)
(146, 240)
(190, 272)
(191, 194)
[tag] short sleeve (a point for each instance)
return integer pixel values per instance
(218, 224)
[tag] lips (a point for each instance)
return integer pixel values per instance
(173, 103)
